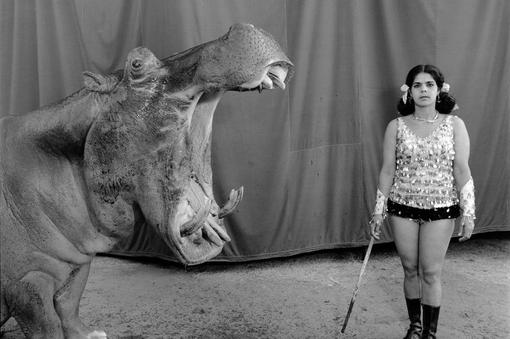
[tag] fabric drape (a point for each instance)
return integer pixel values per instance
(308, 157)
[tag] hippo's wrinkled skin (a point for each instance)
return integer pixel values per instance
(77, 175)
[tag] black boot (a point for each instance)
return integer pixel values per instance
(414, 311)
(430, 317)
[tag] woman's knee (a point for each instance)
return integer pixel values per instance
(431, 276)
(410, 270)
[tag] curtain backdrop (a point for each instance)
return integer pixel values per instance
(308, 157)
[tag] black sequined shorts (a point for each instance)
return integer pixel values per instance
(423, 215)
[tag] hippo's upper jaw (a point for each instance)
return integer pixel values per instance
(246, 58)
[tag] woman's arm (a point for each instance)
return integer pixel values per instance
(388, 166)
(461, 170)
(385, 178)
(462, 174)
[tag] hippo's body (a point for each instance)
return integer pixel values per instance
(76, 176)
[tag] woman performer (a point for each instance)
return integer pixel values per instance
(424, 185)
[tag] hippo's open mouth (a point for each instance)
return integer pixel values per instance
(151, 142)
(198, 233)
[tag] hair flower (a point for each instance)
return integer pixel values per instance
(445, 88)
(404, 88)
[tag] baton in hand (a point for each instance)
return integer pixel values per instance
(367, 255)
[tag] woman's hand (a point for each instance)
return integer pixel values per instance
(467, 225)
(375, 225)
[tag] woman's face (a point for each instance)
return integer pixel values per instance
(424, 90)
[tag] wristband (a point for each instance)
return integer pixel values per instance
(380, 204)
(467, 199)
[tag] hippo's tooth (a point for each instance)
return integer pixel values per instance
(278, 74)
(219, 230)
(190, 227)
(278, 83)
(194, 224)
(267, 83)
(212, 235)
(234, 199)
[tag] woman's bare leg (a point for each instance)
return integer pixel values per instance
(434, 240)
(406, 234)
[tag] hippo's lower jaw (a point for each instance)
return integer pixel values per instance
(195, 232)
(195, 236)
(205, 241)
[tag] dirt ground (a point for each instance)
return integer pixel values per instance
(306, 296)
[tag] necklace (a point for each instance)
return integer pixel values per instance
(431, 121)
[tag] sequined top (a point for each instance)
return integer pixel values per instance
(424, 167)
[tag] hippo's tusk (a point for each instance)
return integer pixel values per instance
(193, 225)
(211, 234)
(277, 82)
(233, 200)
(273, 76)
(277, 74)
(219, 230)
(267, 83)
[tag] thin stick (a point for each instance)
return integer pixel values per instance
(367, 255)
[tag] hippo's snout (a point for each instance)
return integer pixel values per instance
(246, 58)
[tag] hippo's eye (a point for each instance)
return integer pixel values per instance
(136, 64)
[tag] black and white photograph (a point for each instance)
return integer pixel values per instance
(241, 169)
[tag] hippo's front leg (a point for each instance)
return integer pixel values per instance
(67, 303)
(30, 301)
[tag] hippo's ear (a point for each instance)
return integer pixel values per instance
(99, 83)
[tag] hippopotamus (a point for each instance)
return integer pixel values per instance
(130, 146)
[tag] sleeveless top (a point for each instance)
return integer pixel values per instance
(424, 167)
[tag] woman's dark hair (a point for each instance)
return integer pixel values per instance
(446, 102)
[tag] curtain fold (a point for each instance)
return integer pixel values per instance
(42, 54)
(308, 157)
(109, 30)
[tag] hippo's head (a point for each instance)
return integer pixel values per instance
(147, 154)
